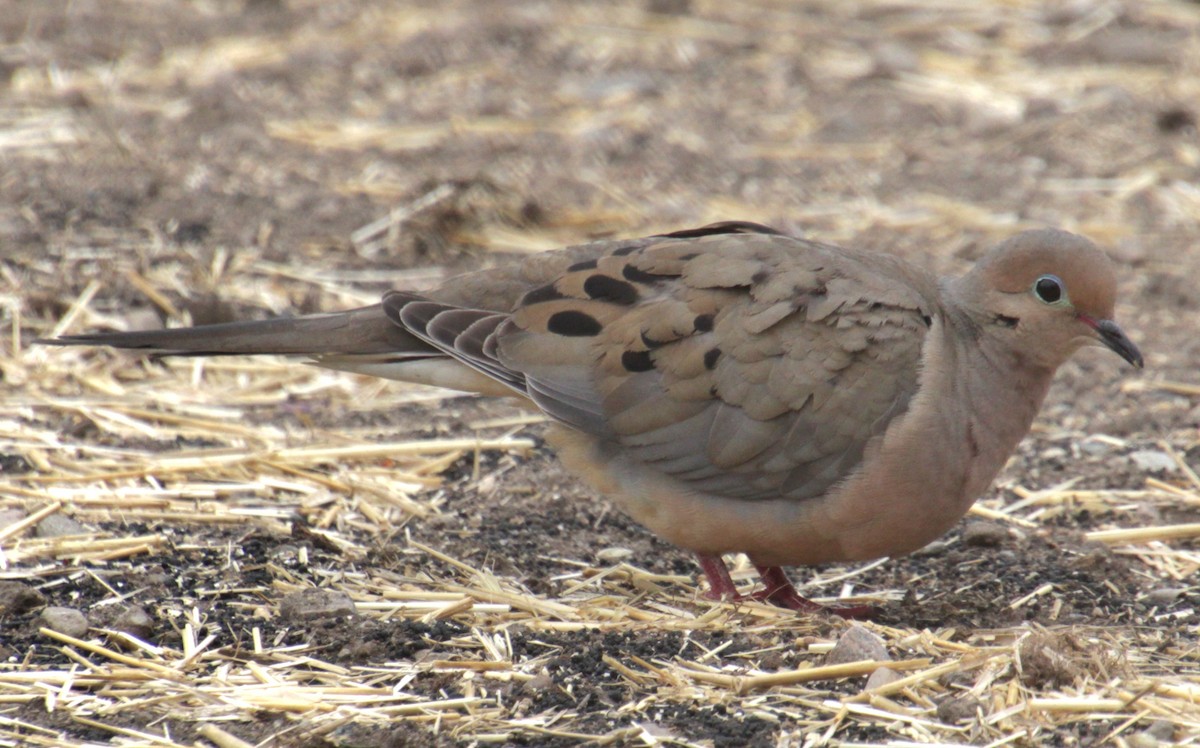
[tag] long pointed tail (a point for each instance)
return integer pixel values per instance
(366, 331)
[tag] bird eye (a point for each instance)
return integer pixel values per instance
(1049, 289)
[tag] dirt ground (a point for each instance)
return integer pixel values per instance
(161, 161)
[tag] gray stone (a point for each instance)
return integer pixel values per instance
(1162, 729)
(982, 533)
(67, 621)
(11, 517)
(953, 710)
(134, 621)
(881, 677)
(1165, 595)
(855, 645)
(1153, 461)
(58, 525)
(312, 603)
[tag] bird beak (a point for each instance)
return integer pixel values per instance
(1112, 336)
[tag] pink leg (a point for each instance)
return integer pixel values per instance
(779, 591)
(720, 584)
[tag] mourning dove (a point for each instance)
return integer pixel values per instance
(735, 389)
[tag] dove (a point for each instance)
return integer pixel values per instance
(735, 389)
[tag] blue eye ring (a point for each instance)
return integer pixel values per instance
(1049, 289)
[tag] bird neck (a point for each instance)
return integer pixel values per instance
(936, 459)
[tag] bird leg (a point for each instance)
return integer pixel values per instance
(779, 590)
(721, 586)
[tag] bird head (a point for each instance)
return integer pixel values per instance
(1046, 294)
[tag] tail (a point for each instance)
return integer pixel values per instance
(365, 331)
(362, 341)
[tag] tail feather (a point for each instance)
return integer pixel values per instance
(366, 330)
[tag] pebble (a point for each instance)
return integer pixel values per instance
(1165, 595)
(543, 681)
(1153, 461)
(10, 517)
(1162, 729)
(1095, 447)
(881, 677)
(311, 603)
(957, 709)
(58, 525)
(134, 621)
(855, 645)
(1141, 740)
(67, 621)
(613, 555)
(982, 533)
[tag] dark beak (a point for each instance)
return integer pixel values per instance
(1114, 337)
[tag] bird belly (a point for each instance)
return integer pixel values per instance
(770, 531)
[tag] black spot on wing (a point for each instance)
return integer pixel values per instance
(650, 342)
(607, 288)
(585, 265)
(724, 227)
(574, 324)
(622, 251)
(636, 361)
(542, 293)
(703, 323)
(710, 358)
(637, 275)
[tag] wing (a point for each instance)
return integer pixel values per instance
(744, 363)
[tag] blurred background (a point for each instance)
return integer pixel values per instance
(366, 138)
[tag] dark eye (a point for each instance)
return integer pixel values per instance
(1049, 289)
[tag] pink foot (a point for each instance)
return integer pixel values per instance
(779, 590)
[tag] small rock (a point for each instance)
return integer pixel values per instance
(58, 525)
(613, 555)
(67, 621)
(17, 598)
(1095, 447)
(1162, 729)
(143, 318)
(134, 621)
(1165, 595)
(11, 517)
(1141, 740)
(957, 709)
(935, 548)
(855, 645)
(982, 533)
(543, 681)
(312, 603)
(881, 677)
(1153, 461)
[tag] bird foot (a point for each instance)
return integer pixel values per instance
(779, 591)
